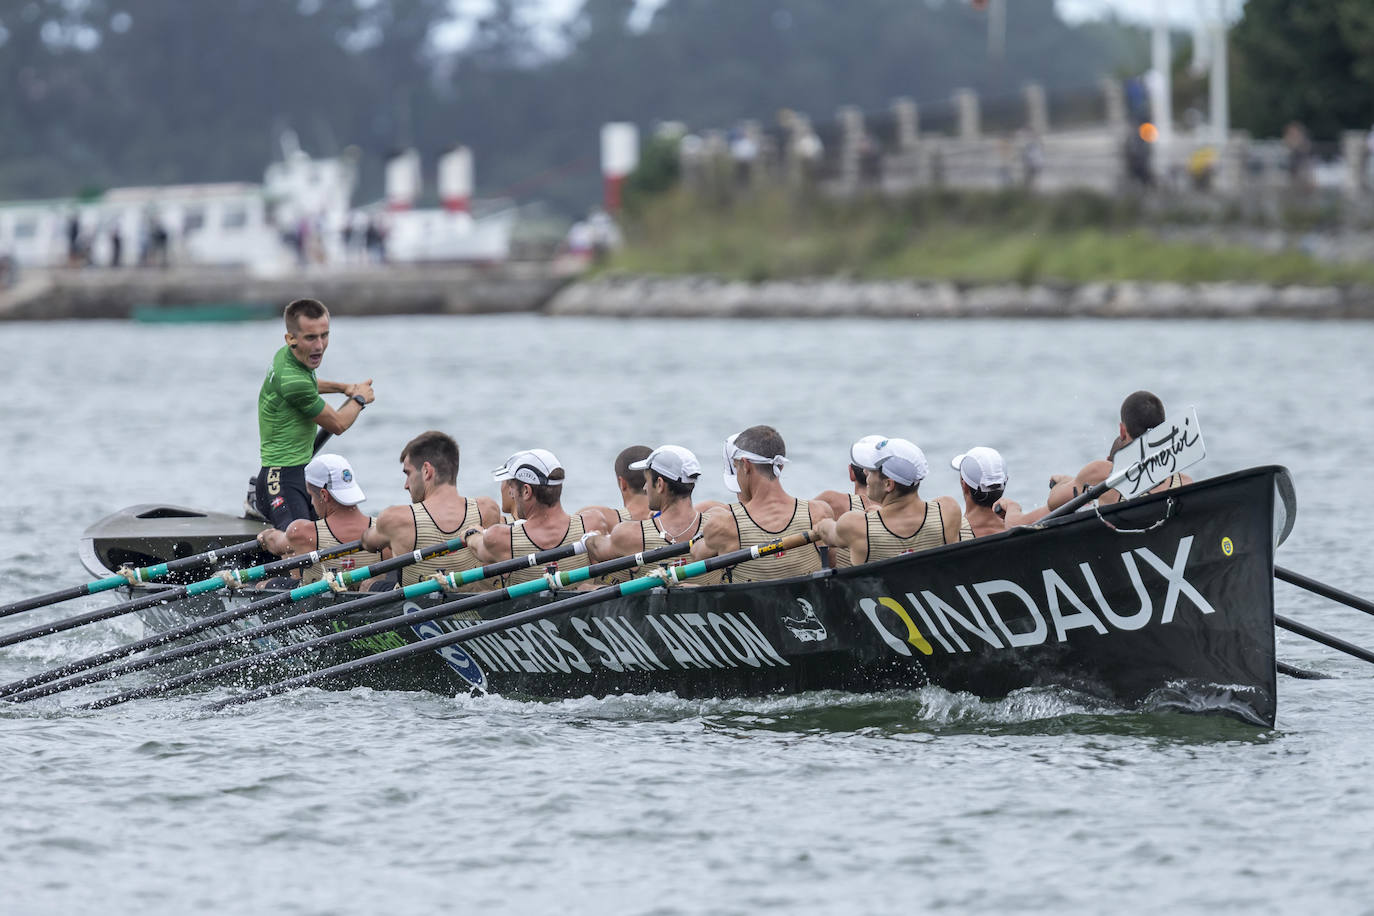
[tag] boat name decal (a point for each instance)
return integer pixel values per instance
(1005, 614)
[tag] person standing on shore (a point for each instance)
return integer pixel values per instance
(290, 407)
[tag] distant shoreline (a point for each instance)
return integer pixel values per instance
(648, 296)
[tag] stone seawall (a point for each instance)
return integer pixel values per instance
(60, 294)
(706, 297)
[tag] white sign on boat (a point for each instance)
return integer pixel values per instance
(1157, 455)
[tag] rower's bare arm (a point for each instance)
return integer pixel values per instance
(608, 517)
(1093, 473)
(348, 388)
(951, 515)
(626, 539)
(380, 535)
(492, 545)
(851, 530)
(274, 542)
(337, 421)
(837, 501)
(300, 535)
(488, 511)
(719, 535)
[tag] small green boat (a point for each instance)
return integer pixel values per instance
(205, 311)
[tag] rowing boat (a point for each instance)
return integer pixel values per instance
(1164, 601)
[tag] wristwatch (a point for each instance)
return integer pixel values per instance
(361, 401)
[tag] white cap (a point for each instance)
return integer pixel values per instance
(335, 474)
(533, 466)
(671, 461)
(901, 460)
(864, 453)
(982, 468)
(734, 453)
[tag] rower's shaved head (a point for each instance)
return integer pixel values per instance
(765, 441)
(633, 479)
(303, 308)
(1141, 411)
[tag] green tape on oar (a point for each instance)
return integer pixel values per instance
(176, 593)
(143, 574)
(31, 690)
(467, 603)
(567, 605)
(12, 690)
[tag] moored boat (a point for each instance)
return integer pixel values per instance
(1163, 601)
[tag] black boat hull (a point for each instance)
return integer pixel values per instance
(1165, 601)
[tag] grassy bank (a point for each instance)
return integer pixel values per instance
(963, 237)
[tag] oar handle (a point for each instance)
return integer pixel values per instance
(566, 605)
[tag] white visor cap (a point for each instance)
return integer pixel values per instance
(864, 453)
(903, 461)
(982, 468)
(334, 473)
(533, 466)
(671, 461)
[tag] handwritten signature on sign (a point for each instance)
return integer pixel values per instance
(1159, 457)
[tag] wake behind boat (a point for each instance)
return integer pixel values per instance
(1164, 601)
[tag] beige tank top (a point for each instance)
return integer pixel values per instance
(882, 543)
(796, 562)
(965, 529)
(623, 514)
(522, 545)
(325, 539)
(653, 539)
(839, 556)
(428, 533)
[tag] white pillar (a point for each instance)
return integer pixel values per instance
(455, 179)
(1220, 98)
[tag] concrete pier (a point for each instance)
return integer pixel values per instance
(451, 289)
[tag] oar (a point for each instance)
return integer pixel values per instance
(345, 579)
(1321, 588)
(252, 574)
(534, 586)
(1305, 674)
(142, 574)
(451, 580)
(1179, 448)
(567, 605)
(1326, 639)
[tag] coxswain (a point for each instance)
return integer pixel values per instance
(983, 480)
(536, 480)
(862, 454)
(289, 409)
(1140, 412)
(335, 496)
(437, 511)
(754, 459)
(901, 521)
(634, 501)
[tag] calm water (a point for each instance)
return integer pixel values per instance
(360, 802)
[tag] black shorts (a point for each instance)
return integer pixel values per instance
(282, 495)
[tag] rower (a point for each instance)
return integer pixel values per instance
(437, 513)
(670, 474)
(862, 455)
(289, 408)
(630, 482)
(334, 495)
(1140, 412)
(894, 485)
(765, 512)
(536, 479)
(983, 479)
